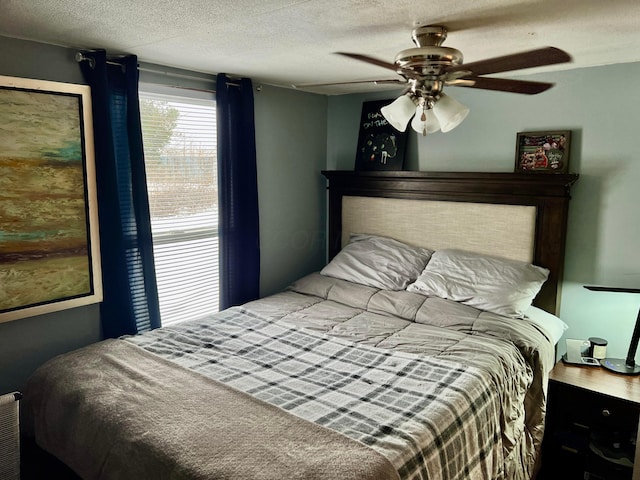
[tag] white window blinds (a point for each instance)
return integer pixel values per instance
(179, 136)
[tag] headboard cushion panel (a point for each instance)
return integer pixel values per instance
(491, 229)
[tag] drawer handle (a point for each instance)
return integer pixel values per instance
(606, 413)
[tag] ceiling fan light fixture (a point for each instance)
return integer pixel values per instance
(399, 112)
(425, 121)
(428, 67)
(449, 112)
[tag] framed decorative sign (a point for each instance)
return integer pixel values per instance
(49, 244)
(380, 146)
(543, 152)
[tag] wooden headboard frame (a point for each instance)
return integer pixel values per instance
(549, 193)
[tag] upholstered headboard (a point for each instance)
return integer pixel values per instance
(519, 216)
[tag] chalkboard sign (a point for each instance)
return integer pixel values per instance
(380, 146)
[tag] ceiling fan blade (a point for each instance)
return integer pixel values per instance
(380, 63)
(516, 61)
(367, 59)
(504, 85)
(375, 82)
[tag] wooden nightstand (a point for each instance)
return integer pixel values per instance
(591, 428)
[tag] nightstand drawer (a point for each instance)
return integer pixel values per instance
(592, 409)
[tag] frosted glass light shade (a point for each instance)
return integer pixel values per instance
(449, 112)
(399, 112)
(427, 126)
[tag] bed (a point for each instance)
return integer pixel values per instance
(370, 370)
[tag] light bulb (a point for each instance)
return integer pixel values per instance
(425, 121)
(399, 112)
(450, 112)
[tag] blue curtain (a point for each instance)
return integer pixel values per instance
(130, 302)
(237, 193)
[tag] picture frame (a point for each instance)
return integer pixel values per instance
(543, 151)
(49, 239)
(380, 145)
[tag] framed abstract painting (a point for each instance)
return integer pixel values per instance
(49, 240)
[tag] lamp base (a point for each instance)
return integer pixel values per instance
(619, 365)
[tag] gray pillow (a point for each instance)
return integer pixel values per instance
(498, 285)
(379, 262)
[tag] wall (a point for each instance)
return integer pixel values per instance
(291, 190)
(291, 194)
(600, 106)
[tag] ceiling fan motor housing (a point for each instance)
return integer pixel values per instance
(428, 60)
(429, 57)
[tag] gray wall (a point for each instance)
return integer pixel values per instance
(601, 106)
(291, 193)
(291, 136)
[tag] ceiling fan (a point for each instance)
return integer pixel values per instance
(429, 67)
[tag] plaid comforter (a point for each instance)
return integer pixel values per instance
(436, 389)
(433, 418)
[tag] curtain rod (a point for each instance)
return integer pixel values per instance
(81, 57)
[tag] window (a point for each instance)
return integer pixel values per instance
(179, 136)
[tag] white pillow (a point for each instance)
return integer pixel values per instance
(498, 285)
(548, 322)
(378, 262)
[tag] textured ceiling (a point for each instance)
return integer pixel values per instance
(285, 42)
